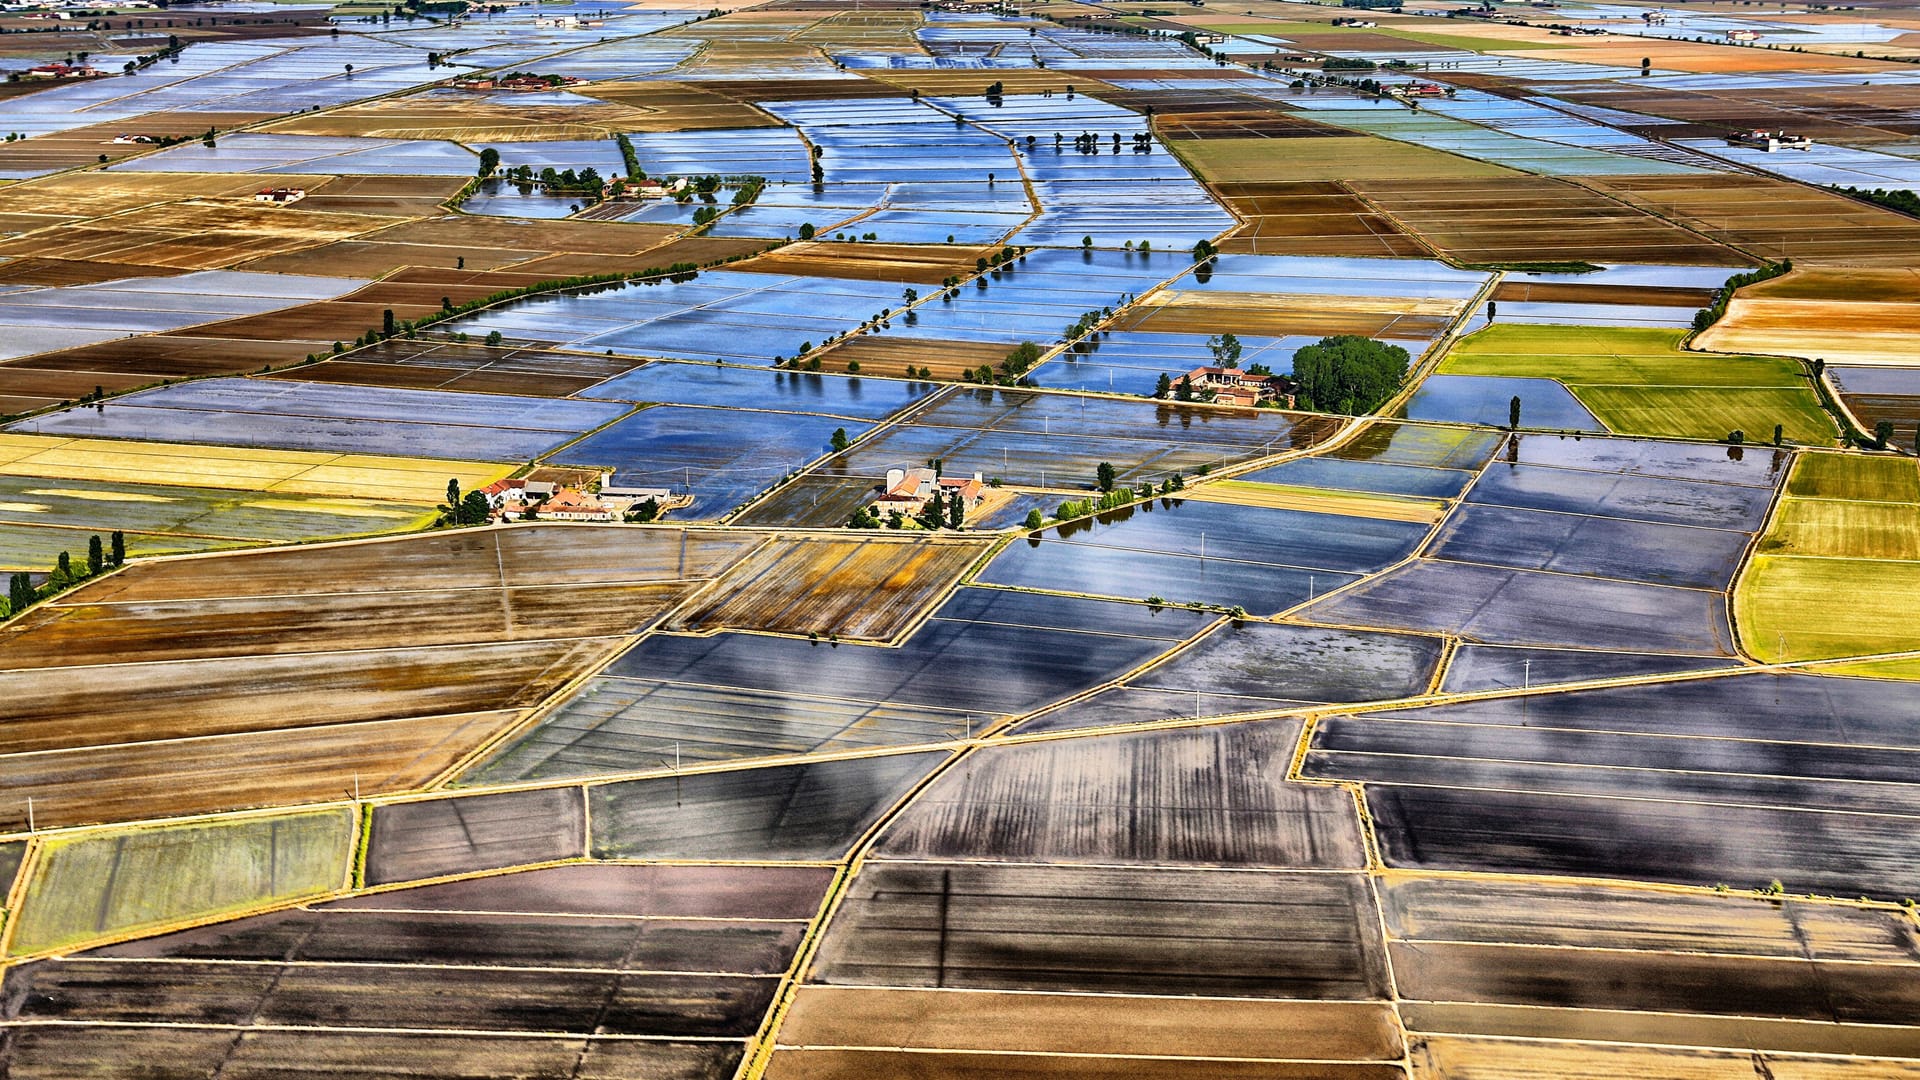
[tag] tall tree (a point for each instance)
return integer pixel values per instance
(956, 510)
(1350, 374)
(1513, 413)
(1226, 350)
(1105, 475)
(96, 555)
(119, 548)
(1163, 387)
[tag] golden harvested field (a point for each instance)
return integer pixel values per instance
(1079, 1024)
(1260, 314)
(666, 106)
(83, 146)
(1844, 316)
(1458, 1057)
(1320, 158)
(920, 265)
(95, 194)
(474, 118)
(1311, 218)
(870, 588)
(306, 665)
(260, 768)
(199, 234)
(1320, 501)
(892, 354)
(362, 476)
(1533, 219)
(1775, 219)
(962, 82)
(1710, 58)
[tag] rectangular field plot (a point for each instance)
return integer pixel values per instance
(723, 457)
(617, 725)
(1636, 498)
(1644, 839)
(93, 886)
(1261, 559)
(1212, 933)
(1157, 798)
(820, 1064)
(1592, 546)
(1466, 1057)
(437, 837)
(137, 780)
(131, 466)
(432, 365)
(373, 996)
(1331, 1039)
(754, 388)
(1052, 440)
(277, 1055)
(318, 416)
(862, 589)
(1365, 476)
(1848, 527)
(1533, 219)
(788, 812)
(1501, 667)
(1436, 446)
(1291, 664)
(1494, 605)
(1628, 918)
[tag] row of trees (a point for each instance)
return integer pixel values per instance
(22, 593)
(1710, 314)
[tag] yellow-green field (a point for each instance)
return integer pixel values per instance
(95, 886)
(1837, 573)
(364, 476)
(1639, 381)
(1321, 500)
(1315, 157)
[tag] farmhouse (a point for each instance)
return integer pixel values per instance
(58, 70)
(1769, 140)
(569, 504)
(909, 490)
(1232, 386)
(1654, 18)
(516, 490)
(280, 196)
(1743, 35)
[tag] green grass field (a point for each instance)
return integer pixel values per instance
(1640, 382)
(1838, 570)
(1471, 44)
(1853, 476)
(97, 885)
(1798, 608)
